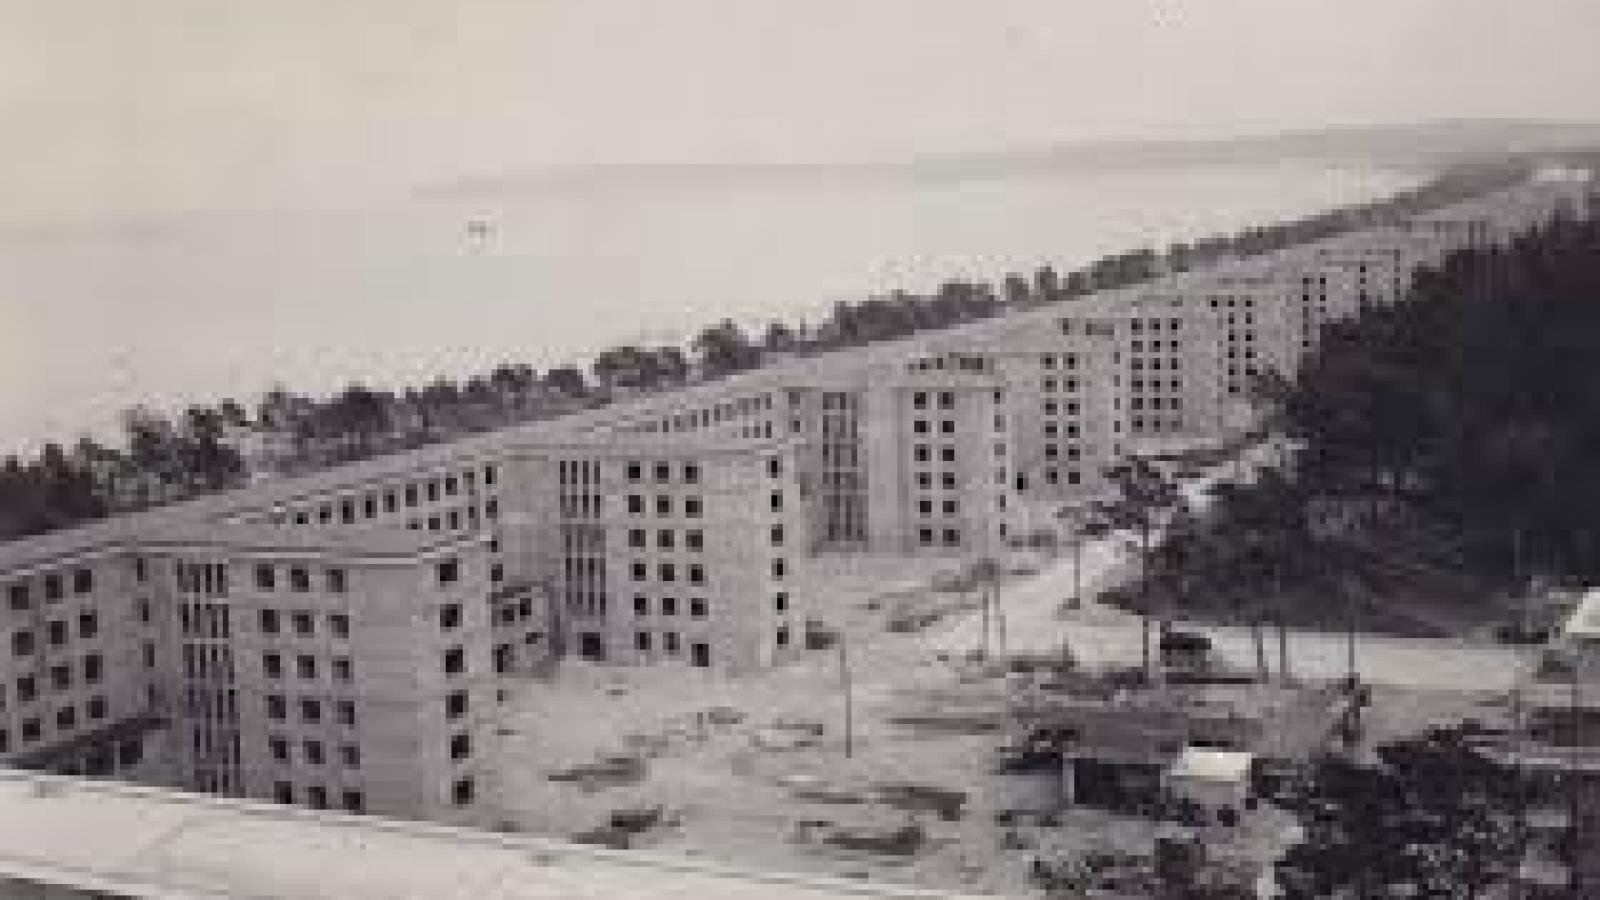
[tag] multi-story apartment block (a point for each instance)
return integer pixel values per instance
(342, 639)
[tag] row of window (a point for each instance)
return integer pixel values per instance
(303, 623)
(313, 753)
(1056, 477)
(1138, 326)
(31, 730)
(448, 486)
(311, 710)
(1156, 403)
(19, 596)
(317, 796)
(666, 539)
(455, 518)
(1052, 430)
(695, 573)
(662, 472)
(1052, 407)
(946, 399)
(1156, 425)
(60, 678)
(306, 666)
(25, 642)
(693, 507)
(668, 606)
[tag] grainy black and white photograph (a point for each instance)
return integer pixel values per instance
(779, 450)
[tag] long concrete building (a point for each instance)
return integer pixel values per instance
(342, 639)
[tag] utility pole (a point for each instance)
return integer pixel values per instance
(983, 598)
(844, 686)
(993, 569)
(1077, 567)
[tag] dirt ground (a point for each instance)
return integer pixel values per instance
(736, 789)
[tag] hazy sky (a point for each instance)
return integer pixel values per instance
(292, 137)
(115, 105)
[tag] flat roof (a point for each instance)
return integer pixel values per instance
(1584, 622)
(1202, 764)
(151, 843)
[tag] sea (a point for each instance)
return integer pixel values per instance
(96, 317)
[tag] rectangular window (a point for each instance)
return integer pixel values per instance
(310, 711)
(455, 705)
(449, 571)
(350, 756)
(450, 617)
(460, 746)
(299, 580)
(344, 712)
(337, 581)
(303, 623)
(339, 624)
(265, 577)
(461, 792)
(82, 581)
(341, 669)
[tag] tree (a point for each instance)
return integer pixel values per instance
(1432, 819)
(208, 463)
(1143, 495)
(779, 338)
(567, 381)
(360, 413)
(1047, 284)
(724, 349)
(1016, 290)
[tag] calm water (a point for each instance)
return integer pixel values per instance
(224, 304)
